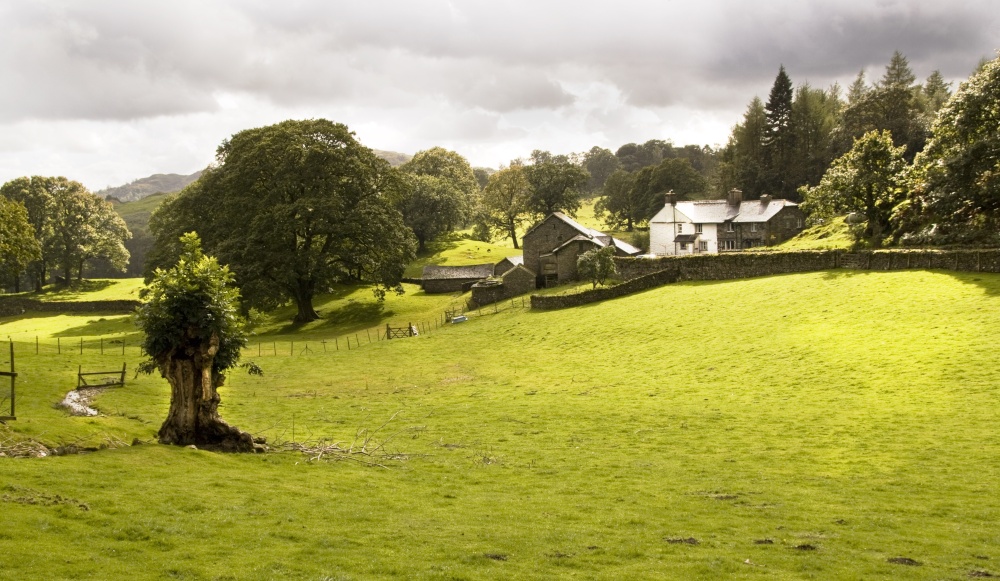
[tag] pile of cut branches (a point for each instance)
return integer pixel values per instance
(366, 448)
(12, 447)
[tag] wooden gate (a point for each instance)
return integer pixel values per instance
(8, 400)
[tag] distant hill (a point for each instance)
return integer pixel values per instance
(164, 183)
(394, 158)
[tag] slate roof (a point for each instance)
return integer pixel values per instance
(599, 238)
(514, 260)
(720, 211)
(434, 272)
(686, 238)
(758, 211)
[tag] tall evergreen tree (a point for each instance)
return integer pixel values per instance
(779, 138)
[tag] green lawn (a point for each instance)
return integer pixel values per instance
(791, 427)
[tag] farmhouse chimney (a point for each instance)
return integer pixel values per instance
(735, 197)
(765, 199)
(671, 198)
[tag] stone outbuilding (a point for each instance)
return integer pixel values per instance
(552, 247)
(507, 264)
(450, 279)
(516, 281)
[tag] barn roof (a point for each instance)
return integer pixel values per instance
(435, 272)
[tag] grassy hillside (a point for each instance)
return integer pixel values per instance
(834, 235)
(806, 426)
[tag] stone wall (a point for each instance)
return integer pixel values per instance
(602, 294)
(11, 306)
(749, 264)
(736, 265)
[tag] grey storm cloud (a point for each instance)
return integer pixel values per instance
(122, 60)
(110, 90)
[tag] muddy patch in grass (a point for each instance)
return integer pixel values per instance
(495, 556)
(806, 547)
(763, 541)
(980, 573)
(904, 561)
(681, 540)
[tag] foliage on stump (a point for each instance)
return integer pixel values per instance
(194, 331)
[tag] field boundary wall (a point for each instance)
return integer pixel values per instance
(737, 265)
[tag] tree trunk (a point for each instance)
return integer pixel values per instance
(512, 231)
(302, 293)
(193, 418)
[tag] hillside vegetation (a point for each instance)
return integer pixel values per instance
(823, 425)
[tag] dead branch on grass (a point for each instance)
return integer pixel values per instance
(366, 448)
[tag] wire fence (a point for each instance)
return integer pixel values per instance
(130, 345)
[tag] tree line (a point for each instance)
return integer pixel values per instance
(54, 227)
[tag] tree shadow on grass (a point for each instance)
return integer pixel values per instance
(75, 290)
(101, 324)
(350, 317)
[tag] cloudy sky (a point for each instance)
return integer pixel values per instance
(105, 92)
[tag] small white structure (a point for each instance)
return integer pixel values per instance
(712, 226)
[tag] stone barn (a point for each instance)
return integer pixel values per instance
(452, 279)
(507, 264)
(552, 246)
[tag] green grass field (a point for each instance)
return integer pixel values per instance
(808, 426)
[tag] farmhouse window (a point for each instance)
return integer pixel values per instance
(753, 226)
(699, 228)
(703, 246)
(680, 228)
(730, 227)
(799, 223)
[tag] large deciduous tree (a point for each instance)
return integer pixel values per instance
(505, 201)
(193, 332)
(556, 184)
(956, 179)
(292, 209)
(439, 195)
(868, 180)
(18, 246)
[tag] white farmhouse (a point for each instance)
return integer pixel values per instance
(712, 226)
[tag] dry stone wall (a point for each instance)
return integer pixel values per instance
(738, 265)
(12, 306)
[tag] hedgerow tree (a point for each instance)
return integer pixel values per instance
(596, 265)
(293, 209)
(193, 333)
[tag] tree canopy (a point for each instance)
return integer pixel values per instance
(18, 246)
(439, 195)
(868, 180)
(556, 184)
(71, 225)
(505, 202)
(293, 208)
(956, 179)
